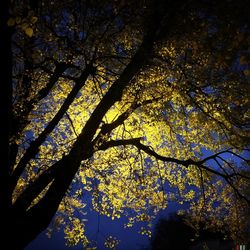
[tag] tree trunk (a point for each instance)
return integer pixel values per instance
(5, 124)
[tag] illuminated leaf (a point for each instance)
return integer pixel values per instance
(29, 31)
(11, 22)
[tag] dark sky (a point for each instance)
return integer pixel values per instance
(129, 238)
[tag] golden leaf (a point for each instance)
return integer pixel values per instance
(11, 22)
(29, 32)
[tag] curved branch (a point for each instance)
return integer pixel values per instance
(186, 163)
(230, 183)
(136, 142)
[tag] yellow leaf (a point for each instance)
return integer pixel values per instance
(18, 20)
(34, 19)
(247, 72)
(244, 60)
(29, 32)
(11, 22)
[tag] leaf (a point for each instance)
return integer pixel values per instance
(18, 20)
(29, 32)
(34, 19)
(11, 22)
(245, 60)
(247, 72)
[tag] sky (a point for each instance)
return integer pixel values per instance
(98, 228)
(129, 237)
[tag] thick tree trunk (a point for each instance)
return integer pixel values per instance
(27, 225)
(5, 102)
(22, 225)
(5, 115)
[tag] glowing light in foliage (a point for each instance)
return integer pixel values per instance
(124, 107)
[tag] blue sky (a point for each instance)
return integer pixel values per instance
(129, 237)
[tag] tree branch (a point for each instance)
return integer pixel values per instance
(115, 92)
(107, 128)
(34, 146)
(34, 188)
(21, 120)
(186, 163)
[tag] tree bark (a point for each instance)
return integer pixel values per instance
(5, 114)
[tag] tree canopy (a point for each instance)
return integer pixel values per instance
(139, 103)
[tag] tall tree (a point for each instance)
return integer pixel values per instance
(121, 99)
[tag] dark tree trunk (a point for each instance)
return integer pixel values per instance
(5, 115)
(19, 224)
(5, 100)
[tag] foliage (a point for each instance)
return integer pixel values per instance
(169, 231)
(125, 100)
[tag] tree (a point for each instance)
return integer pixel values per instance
(121, 99)
(174, 233)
